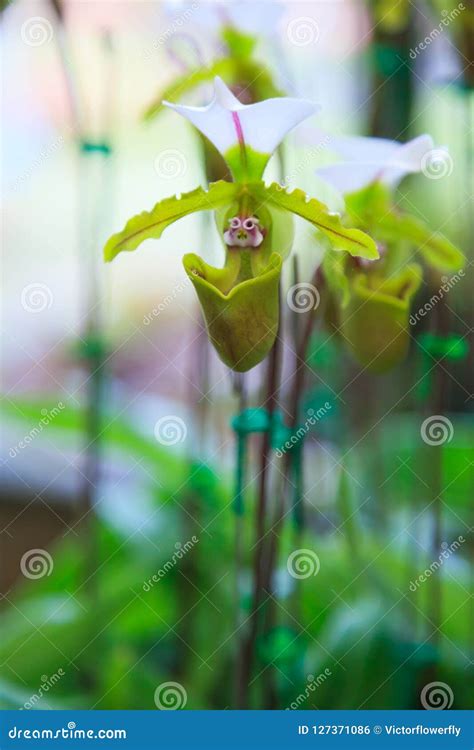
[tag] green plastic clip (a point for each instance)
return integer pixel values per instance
(92, 347)
(386, 59)
(96, 147)
(433, 346)
(450, 347)
(258, 420)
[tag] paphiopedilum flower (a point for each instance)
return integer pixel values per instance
(374, 298)
(240, 301)
(372, 168)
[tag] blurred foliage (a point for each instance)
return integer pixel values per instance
(370, 631)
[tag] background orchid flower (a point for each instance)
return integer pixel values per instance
(373, 299)
(371, 170)
(235, 62)
(240, 301)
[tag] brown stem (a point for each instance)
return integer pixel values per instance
(439, 402)
(296, 390)
(248, 648)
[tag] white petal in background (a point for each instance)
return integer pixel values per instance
(369, 159)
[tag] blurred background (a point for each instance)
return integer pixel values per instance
(118, 449)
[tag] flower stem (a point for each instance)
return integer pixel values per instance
(258, 599)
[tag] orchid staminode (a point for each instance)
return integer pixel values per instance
(240, 301)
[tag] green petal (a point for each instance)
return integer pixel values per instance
(242, 325)
(437, 251)
(365, 205)
(376, 322)
(353, 241)
(238, 43)
(335, 274)
(151, 224)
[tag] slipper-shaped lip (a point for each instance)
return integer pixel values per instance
(409, 281)
(189, 262)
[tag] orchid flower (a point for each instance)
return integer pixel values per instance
(371, 170)
(240, 301)
(374, 298)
